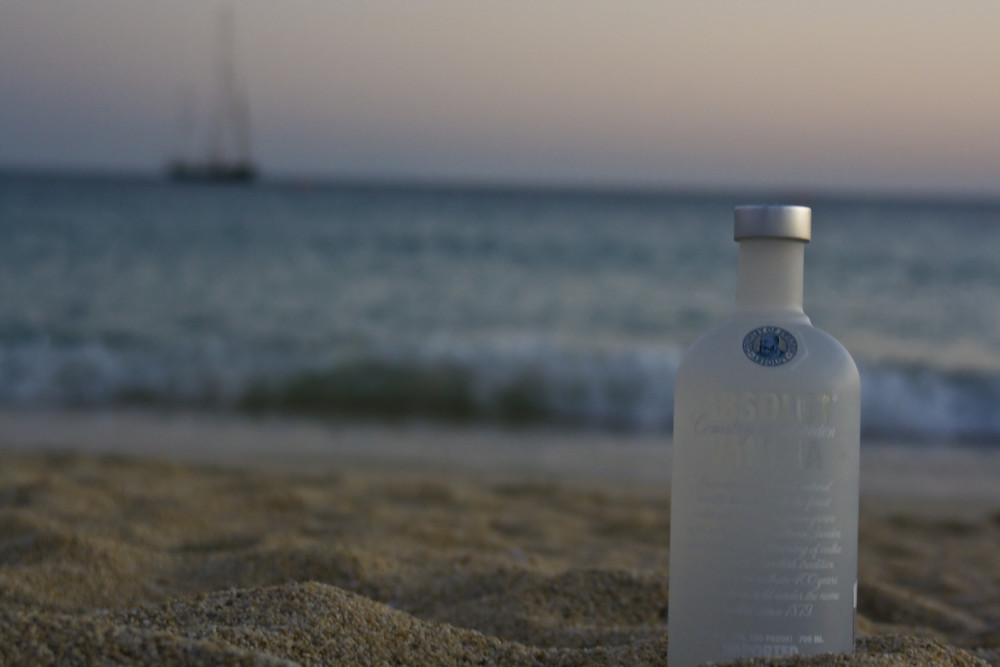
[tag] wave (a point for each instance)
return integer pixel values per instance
(533, 384)
(519, 382)
(915, 402)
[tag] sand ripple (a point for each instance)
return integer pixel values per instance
(113, 560)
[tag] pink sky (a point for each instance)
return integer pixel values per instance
(884, 95)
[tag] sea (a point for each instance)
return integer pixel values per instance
(508, 307)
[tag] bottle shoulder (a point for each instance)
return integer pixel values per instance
(765, 348)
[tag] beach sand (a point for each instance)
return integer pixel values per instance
(179, 540)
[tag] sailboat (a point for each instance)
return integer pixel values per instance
(227, 159)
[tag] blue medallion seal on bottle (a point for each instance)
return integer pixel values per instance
(770, 346)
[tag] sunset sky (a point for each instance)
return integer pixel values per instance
(888, 95)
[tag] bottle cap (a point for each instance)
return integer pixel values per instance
(772, 222)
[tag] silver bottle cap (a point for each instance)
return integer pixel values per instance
(772, 222)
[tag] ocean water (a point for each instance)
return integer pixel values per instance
(499, 306)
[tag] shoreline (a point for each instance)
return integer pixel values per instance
(889, 469)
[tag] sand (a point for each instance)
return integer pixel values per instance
(138, 540)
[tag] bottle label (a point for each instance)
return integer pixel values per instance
(770, 346)
(763, 524)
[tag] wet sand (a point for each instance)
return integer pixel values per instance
(176, 540)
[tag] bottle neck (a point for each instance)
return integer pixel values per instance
(770, 274)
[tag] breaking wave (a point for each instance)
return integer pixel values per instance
(521, 382)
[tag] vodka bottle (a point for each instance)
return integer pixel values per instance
(764, 490)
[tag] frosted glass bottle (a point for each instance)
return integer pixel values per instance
(764, 489)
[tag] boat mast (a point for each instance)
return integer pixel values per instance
(230, 130)
(228, 151)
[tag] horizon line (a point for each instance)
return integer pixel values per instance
(792, 193)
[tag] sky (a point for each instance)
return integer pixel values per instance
(881, 95)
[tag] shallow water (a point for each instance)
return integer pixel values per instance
(466, 305)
